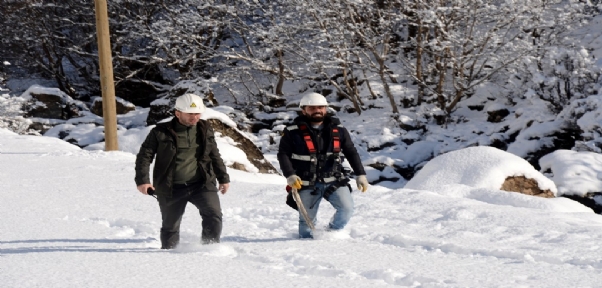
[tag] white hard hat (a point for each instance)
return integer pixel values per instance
(313, 99)
(190, 103)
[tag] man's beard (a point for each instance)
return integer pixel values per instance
(316, 117)
(187, 122)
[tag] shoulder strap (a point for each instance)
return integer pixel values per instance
(336, 140)
(307, 138)
(313, 160)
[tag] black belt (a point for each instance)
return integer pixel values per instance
(184, 185)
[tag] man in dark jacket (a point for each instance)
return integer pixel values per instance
(187, 165)
(310, 157)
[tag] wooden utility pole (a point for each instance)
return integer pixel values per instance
(106, 75)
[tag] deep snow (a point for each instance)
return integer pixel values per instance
(73, 218)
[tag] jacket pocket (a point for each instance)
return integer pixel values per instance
(166, 151)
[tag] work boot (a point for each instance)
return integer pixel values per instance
(209, 241)
(169, 240)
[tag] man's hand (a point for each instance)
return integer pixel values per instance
(362, 183)
(144, 187)
(294, 181)
(224, 187)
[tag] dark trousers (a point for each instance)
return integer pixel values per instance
(172, 210)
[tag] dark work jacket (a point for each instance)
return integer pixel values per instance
(161, 141)
(292, 143)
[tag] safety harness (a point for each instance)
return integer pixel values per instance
(336, 177)
(315, 159)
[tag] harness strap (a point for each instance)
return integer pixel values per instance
(336, 148)
(312, 151)
(336, 140)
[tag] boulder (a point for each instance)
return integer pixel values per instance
(160, 109)
(482, 167)
(254, 154)
(49, 104)
(121, 106)
(525, 185)
(496, 116)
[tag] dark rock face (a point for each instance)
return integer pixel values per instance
(141, 90)
(563, 139)
(121, 106)
(497, 116)
(50, 106)
(589, 200)
(139, 93)
(160, 111)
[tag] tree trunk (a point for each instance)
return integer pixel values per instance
(352, 91)
(381, 73)
(420, 94)
(281, 77)
(359, 61)
(441, 67)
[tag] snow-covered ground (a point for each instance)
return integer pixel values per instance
(73, 218)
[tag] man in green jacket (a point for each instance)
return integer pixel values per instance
(187, 165)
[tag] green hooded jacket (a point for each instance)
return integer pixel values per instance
(161, 141)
